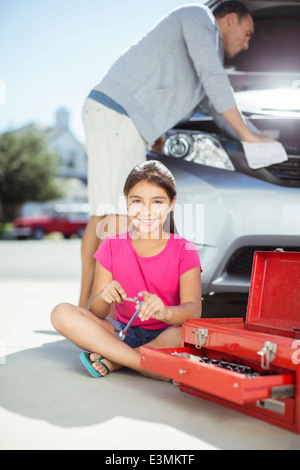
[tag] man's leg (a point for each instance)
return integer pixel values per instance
(96, 231)
(89, 246)
(114, 147)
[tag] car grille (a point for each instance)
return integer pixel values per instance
(288, 171)
(240, 263)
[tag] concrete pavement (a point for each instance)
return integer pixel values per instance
(47, 399)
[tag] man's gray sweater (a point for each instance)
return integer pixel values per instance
(161, 79)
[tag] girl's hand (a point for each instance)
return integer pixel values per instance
(113, 293)
(153, 307)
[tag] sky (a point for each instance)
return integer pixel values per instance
(53, 52)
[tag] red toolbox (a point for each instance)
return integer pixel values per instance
(251, 366)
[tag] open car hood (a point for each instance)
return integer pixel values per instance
(273, 58)
(278, 102)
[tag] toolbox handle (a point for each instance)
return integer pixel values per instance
(200, 337)
(267, 354)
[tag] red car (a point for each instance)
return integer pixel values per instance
(66, 220)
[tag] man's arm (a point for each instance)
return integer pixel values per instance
(235, 120)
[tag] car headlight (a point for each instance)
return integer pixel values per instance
(200, 148)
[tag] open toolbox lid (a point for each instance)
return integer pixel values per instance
(274, 299)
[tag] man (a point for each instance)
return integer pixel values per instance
(158, 82)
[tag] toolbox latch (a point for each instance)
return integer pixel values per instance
(267, 354)
(200, 337)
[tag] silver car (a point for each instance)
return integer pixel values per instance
(227, 209)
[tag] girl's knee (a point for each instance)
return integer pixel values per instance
(59, 314)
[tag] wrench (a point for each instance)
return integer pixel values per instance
(123, 333)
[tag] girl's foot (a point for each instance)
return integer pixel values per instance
(100, 367)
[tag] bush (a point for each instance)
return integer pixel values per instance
(28, 170)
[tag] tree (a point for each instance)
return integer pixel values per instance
(28, 171)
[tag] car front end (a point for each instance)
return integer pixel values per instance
(224, 207)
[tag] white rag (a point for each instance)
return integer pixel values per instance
(264, 154)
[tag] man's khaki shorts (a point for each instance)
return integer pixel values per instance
(114, 148)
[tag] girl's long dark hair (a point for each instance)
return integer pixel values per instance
(155, 173)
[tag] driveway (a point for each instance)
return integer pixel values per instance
(48, 401)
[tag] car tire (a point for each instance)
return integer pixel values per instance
(38, 233)
(80, 232)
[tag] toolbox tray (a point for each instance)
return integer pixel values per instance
(231, 386)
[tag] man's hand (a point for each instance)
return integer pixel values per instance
(235, 119)
(252, 138)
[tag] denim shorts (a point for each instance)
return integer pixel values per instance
(136, 336)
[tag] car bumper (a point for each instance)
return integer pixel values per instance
(228, 216)
(22, 232)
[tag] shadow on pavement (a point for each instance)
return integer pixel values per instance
(49, 383)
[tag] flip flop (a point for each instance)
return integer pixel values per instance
(85, 359)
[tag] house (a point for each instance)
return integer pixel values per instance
(72, 154)
(72, 157)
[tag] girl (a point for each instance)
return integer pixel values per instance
(150, 262)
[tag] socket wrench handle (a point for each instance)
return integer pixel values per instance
(123, 333)
(134, 300)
